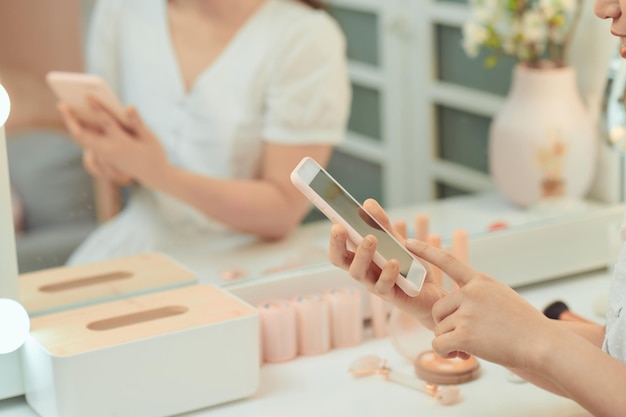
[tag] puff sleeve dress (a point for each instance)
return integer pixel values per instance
(282, 78)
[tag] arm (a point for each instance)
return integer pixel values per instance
(572, 365)
(486, 318)
(594, 333)
(269, 206)
(585, 374)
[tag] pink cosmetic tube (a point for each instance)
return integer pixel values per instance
(435, 241)
(460, 245)
(278, 330)
(421, 227)
(401, 227)
(460, 248)
(346, 316)
(313, 323)
(380, 316)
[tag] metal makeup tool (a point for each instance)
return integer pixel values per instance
(371, 365)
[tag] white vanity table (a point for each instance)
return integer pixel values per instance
(321, 386)
(537, 244)
(308, 245)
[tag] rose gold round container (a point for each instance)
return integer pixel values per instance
(432, 368)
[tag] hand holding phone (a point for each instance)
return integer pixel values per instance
(74, 88)
(340, 207)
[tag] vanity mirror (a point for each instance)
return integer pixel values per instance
(534, 245)
(240, 264)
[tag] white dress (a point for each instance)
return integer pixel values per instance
(282, 79)
(615, 336)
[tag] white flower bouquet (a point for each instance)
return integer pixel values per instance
(536, 32)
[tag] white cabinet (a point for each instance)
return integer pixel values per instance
(421, 108)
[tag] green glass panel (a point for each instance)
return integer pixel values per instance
(454, 66)
(453, 1)
(365, 112)
(463, 138)
(446, 190)
(361, 178)
(361, 31)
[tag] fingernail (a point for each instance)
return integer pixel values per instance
(367, 243)
(412, 241)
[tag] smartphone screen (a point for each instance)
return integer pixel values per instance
(363, 223)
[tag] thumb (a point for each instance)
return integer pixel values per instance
(460, 272)
(375, 210)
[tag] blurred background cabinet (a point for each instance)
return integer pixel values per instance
(421, 107)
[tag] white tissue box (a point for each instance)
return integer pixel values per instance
(56, 289)
(11, 384)
(154, 355)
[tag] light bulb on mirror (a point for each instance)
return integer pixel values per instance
(5, 105)
(14, 325)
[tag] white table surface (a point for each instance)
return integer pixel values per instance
(308, 245)
(321, 386)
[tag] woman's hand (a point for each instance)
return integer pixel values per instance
(102, 171)
(93, 165)
(379, 281)
(485, 317)
(129, 151)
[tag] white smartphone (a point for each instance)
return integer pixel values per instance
(340, 207)
(73, 88)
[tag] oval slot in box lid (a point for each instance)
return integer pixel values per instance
(88, 281)
(136, 318)
(52, 290)
(81, 330)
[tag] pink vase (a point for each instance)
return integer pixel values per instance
(542, 143)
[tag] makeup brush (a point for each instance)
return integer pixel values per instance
(558, 310)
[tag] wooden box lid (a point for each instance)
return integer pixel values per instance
(104, 325)
(51, 290)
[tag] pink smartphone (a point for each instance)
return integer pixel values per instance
(340, 207)
(73, 88)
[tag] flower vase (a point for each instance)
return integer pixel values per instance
(542, 142)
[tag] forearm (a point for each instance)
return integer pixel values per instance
(573, 365)
(259, 207)
(585, 374)
(594, 333)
